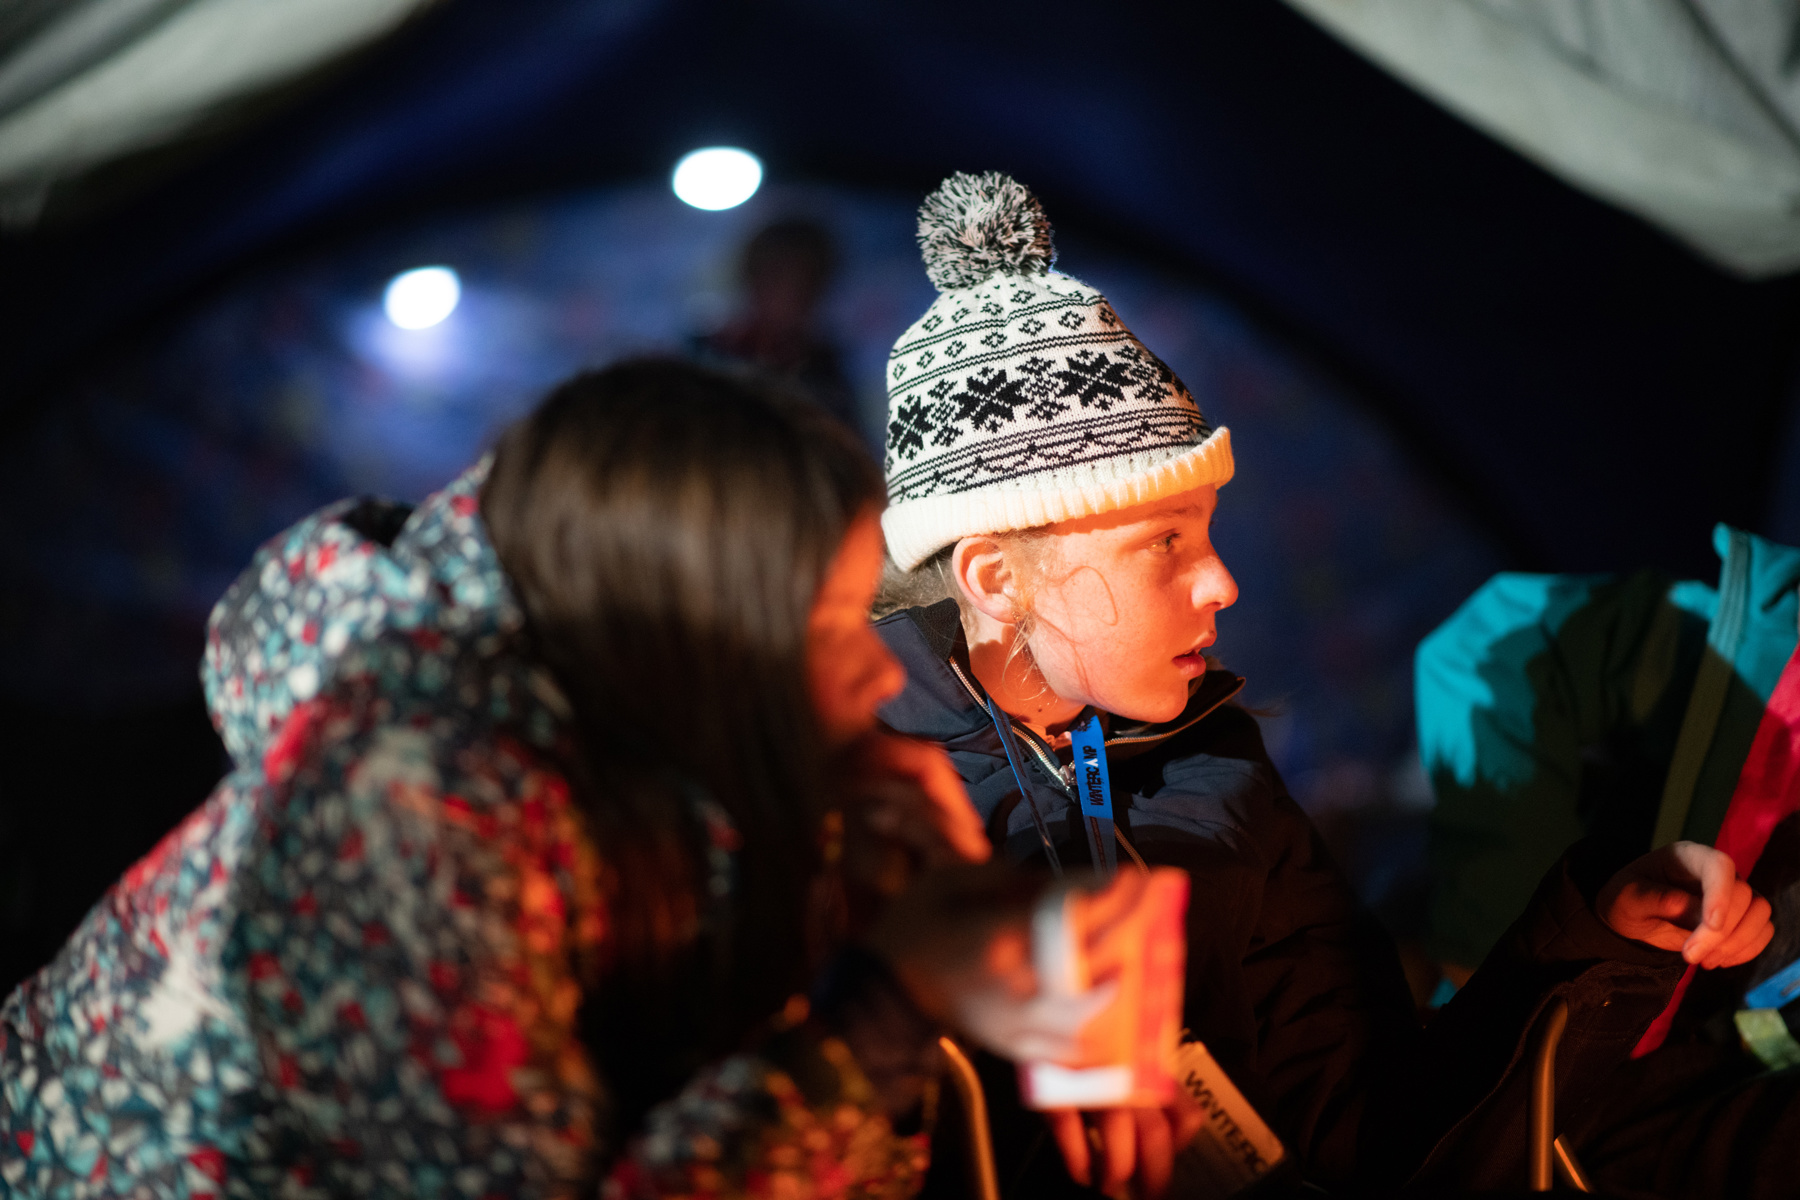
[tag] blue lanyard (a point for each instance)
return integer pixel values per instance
(1093, 786)
(1010, 744)
(1777, 990)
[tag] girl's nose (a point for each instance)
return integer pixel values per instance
(1215, 588)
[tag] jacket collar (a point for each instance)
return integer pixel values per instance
(943, 701)
(1773, 571)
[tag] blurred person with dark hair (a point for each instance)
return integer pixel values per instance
(785, 271)
(561, 847)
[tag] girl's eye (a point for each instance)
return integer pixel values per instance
(1167, 541)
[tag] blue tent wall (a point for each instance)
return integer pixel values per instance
(1596, 395)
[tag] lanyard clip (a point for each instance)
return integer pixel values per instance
(1093, 788)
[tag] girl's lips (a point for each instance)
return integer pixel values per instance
(1191, 664)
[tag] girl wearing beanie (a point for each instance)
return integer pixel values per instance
(1051, 485)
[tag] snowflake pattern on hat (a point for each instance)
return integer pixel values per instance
(1021, 379)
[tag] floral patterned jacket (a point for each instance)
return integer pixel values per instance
(355, 969)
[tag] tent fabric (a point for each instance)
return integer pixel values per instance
(108, 78)
(1684, 112)
(1471, 297)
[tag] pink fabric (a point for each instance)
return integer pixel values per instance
(1768, 789)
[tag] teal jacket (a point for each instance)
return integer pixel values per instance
(1551, 707)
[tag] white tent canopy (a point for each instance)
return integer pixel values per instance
(89, 82)
(1685, 112)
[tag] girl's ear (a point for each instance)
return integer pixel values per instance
(985, 579)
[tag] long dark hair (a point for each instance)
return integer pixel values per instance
(666, 529)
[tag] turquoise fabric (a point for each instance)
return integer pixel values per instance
(1548, 707)
(1477, 722)
(1770, 627)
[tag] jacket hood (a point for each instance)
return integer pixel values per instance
(337, 581)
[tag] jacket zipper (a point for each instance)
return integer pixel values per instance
(1047, 758)
(1126, 738)
(1048, 762)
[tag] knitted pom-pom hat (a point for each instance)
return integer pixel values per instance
(1020, 399)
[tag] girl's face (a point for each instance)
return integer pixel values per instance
(1125, 602)
(849, 670)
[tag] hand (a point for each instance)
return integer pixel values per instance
(1136, 1144)
(908, 791)
(1687, 897)
(904, 811)
(959, 940)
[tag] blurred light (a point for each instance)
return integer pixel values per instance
(717, 177)
(420, 298)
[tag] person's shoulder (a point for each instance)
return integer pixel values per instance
(1221, 757)
(418, 705)
(337, 581)
(1211, 779)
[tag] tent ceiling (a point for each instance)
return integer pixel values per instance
(1596, 393)
(1686, 112)
(91, 82)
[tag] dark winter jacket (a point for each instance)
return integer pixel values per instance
(1291, 983)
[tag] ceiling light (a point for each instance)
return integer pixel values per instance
(422, 297)
(717, 177)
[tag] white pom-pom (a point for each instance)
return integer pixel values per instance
(977, 226)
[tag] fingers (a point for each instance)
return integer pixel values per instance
(1685, 887)
(1042, 1029)
(1725, 913)
(1118, 1143)
(930, 769)
(1070, 1132)
(1702, 947)
(1128, 1141)
(1186, 1118)
(1155, 1150)
(1715, 872)
(1673, 904)
(1738, 904)
(1734, 921)
(1745, 938)
(1757, 942)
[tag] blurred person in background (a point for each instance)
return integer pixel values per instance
(785, 271)
(561, 847)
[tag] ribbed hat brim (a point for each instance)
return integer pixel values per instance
(920, 528)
